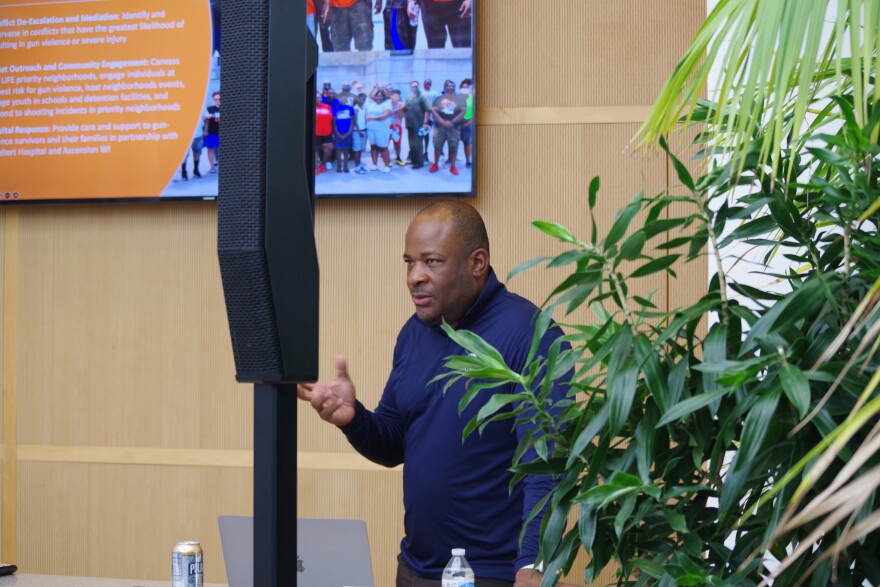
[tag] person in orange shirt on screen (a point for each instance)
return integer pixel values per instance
(349, 20)
(323, 134)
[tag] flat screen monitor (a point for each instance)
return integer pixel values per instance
(395, 95)
(109, 100)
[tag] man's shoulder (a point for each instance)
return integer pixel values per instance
(509, 311)
(517, 301)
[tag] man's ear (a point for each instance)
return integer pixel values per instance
(479, 262)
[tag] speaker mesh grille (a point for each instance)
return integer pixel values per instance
(241, 202)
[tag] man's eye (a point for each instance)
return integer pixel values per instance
(432, 261)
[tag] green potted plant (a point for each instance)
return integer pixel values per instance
(734, 440)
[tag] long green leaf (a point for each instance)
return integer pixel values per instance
(622, 221)
(654, 266)
(755, 429)
(586, 436)
(555, 230)
(796, 388)
(714, 351)
(526, 265)
(622, 378)
(687, 407)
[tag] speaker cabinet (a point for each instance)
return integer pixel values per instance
(266, 245)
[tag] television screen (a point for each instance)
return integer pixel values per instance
(394, 111)
(109, 99)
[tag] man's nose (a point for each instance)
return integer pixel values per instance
(416, 274)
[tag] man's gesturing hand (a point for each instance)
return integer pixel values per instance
(333, 400)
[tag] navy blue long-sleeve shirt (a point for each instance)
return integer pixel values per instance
(456, 495)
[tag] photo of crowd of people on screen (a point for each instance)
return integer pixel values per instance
(359, 130)
(378, 108)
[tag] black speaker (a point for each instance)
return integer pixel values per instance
(265, 238)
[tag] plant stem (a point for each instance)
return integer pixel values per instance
(624, 301)
(722, 278)
(543, 414)
(847, 259)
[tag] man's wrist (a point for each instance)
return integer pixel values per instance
(539, 568)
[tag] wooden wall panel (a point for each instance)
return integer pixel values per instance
(125, 306)
(122, 520)
(115, 350)
(580, 52)
(124, 300)
(543, 173)
(8, 371)
(4, 393)
(3, 322)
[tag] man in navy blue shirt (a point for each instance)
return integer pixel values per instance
(455, 493)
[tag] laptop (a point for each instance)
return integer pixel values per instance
(331, 553)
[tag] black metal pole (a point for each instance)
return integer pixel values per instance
(274, 485)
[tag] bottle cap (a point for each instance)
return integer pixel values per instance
(458, 552)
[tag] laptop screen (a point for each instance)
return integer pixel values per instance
(319, 544)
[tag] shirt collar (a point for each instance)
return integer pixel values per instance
(492, 287)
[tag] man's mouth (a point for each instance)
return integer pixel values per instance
(421, 299)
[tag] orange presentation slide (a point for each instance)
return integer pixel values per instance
(99, 98)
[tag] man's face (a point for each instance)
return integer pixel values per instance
(438, 270)
(217, 100)
(449, 87)
(427, 84)
(331, 93)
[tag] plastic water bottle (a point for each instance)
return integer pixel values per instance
(458, 572)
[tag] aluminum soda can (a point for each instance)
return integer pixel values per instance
(186, 565)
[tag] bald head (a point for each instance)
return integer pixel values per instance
(467, 224)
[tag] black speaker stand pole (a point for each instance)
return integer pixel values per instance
(274, 485)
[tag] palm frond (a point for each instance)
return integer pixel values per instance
(772, 62)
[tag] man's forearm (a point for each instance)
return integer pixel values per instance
(378, 437)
